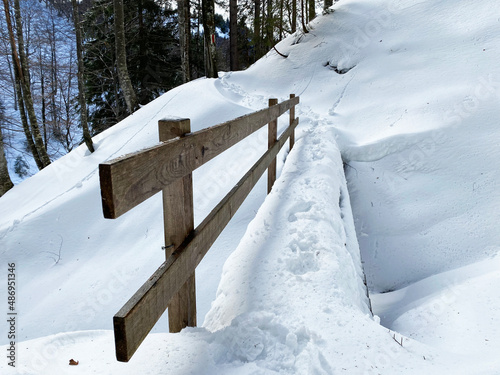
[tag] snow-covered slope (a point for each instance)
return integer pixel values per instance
(414, 116)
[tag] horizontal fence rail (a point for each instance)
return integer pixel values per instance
(129, 180)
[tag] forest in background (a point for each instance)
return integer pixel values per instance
(71, 69)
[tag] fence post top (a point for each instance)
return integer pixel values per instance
(170, 128)
(173, 119)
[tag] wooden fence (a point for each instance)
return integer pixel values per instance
(129, 180)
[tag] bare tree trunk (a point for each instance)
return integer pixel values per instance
(26, 89)
(269, 25)
(24, 120)
(233, 34)
(263, 26)
(281, 20)
(121, 58)
(5, 181)
(199, 46)
(302, 10)
(54, 79)
(44, 118)
(327, 4)
(208, 9)
(185, 38)
(20, 61)
(13, 84)
(256, 30)
(312, 10)
(294, 16)
(81, 87)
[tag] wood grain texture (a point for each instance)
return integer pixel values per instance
(133, 178)
(136, 318)
(178, 212)
(178, 220)
(182, 307)
(272, 135)
(169, 129)
(292, 118)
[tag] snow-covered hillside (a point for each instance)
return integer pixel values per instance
(404, 96)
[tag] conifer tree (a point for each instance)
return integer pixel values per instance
(153, 58)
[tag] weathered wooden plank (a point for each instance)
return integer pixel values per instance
(133, 178)
(292, 118)
(178, 213)
(272, 135)
(178, 221)
(136, 318)
(182, 307)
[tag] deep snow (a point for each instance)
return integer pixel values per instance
(414, 118)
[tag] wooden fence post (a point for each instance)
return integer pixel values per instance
(178, 219)
(272, 137)
(292, 117)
